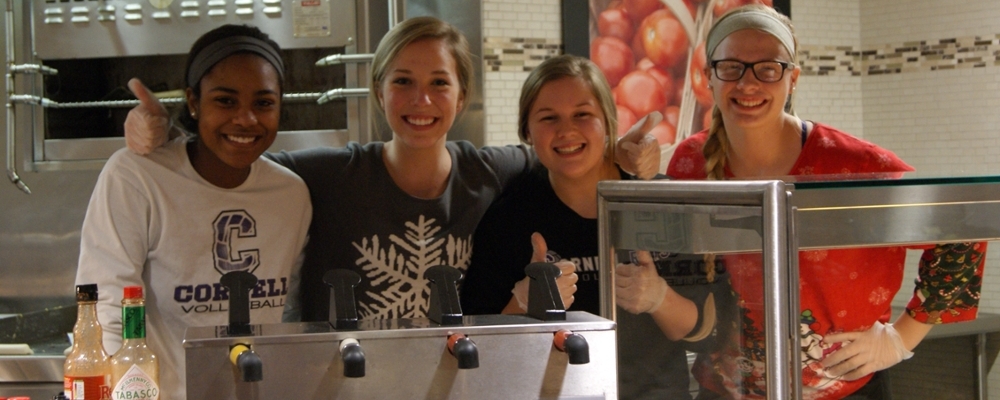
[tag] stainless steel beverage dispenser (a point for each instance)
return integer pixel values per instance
(546, 354)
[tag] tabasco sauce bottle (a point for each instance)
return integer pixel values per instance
(87, 370)
(135, 370)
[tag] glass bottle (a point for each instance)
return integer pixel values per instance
(134, 368)
(87, 370)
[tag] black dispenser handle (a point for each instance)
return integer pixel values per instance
(239, 284)
(544, 301)
(444, 307)
(343, 308)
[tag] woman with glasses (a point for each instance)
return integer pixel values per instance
(845, 294)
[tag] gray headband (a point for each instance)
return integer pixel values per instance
(215, 52)
(757, 20)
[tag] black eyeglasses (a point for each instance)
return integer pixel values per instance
(764, 71)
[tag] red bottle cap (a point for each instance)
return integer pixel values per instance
(133, 292)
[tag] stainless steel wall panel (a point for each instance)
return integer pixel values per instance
(174, 34)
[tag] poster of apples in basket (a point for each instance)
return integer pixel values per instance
(653, 55)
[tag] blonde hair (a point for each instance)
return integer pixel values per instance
(717, 146)
(412, 30)
(569, 66)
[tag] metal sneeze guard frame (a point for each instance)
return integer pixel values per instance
(846, 211)
(779, 269)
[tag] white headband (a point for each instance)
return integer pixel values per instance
(757, 20)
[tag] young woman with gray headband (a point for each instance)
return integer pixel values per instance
(176, 220)
(846, 294)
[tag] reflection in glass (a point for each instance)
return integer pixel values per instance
(683, 242)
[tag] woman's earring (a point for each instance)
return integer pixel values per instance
(194, 114)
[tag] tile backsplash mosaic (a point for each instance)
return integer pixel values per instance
(894, 58)
(524, 54)
(517, 54)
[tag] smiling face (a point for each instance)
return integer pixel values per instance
(748, 102)
(421, 93)
(566, 128)
(237, 112)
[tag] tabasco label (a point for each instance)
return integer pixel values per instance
(136, 384)
(86, 387)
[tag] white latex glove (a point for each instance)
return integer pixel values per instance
(639, 288)
(638, 152)
(566, 282)
(147, 126)
(865, 352)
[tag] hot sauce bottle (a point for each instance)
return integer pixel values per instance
(135, 370)
(87, 370)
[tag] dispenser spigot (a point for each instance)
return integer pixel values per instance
(574, 345)
(465, 350)
(239, 284)
(248, 362)
(354, 358)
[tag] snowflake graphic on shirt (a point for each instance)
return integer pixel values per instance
(879, 295)
(685, 165)
(395, 268)
(884, 160)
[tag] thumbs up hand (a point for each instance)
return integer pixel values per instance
(147, 125)
(566, 282)
(639, 288)
(638, 152)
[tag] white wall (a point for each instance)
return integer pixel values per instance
(515, 26)
(823, 27)
(890, 21)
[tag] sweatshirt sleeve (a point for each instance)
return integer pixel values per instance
(508, 162)
(114, 243)
(949, 283)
